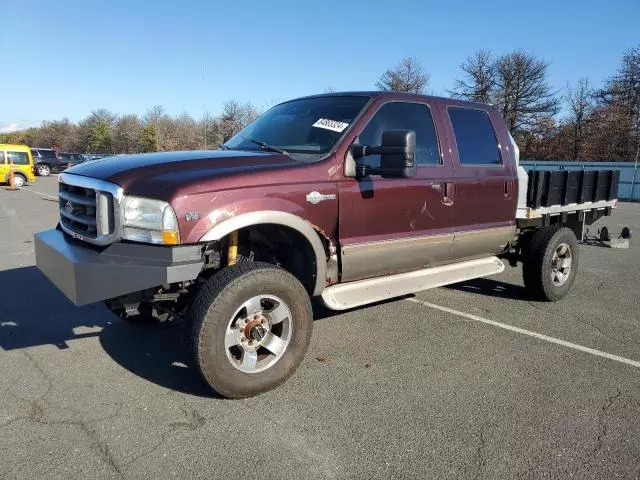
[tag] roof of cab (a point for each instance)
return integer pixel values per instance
(398, 96)
(16, 147)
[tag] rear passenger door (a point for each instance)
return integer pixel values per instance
(484, 195)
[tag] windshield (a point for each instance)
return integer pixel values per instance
(308, 126)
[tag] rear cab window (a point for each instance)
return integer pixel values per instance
(403, 116)
(475, 137)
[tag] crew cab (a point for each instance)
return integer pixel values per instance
(350, 197)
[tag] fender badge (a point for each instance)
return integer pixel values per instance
(191, 216)
(317, 197)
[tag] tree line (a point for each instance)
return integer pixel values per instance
(103, 132)
(597, 122)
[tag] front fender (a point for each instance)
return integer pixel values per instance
(226, 226)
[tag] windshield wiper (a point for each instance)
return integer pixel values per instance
(269, 147)
(223, 146)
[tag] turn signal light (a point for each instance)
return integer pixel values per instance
(170, 237)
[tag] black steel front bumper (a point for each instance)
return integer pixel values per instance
(86, 275)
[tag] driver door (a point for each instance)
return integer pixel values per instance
(391, 225)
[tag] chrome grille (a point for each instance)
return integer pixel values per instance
(89, 208)
(78, 209)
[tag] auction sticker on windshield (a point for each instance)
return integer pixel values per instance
(330, 124)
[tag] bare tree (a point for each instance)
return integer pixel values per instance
(580, 101)
(60, 134)
(157, 117)
(522, 92)
(235, 116)
(126, 134)
(186, 132)
(407, 76)
(479, 82)
(621, 97)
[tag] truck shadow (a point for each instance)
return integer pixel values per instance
(492, 288)
(34, 313)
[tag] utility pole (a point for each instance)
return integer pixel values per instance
(204, 103)
(635, 171)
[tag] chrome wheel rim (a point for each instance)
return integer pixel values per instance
(18, 181)
(258, 334)
(43, 170)
(561, 265)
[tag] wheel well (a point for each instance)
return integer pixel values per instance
(16, 173)
(279, 245)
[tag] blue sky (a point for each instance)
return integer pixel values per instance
(67, 58)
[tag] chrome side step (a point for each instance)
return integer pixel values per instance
(362, 292)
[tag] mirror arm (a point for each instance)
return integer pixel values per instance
(363, 170)
(359, 151)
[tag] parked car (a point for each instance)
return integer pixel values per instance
(353, 198)
(47, 161)
(71, 158)
(17, 158)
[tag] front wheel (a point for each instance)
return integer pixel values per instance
(18, 180)
(550, 263)
(43, 170)
(252, 325)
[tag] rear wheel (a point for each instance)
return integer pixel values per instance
(43, 170)
(252, 325)
(551, 263)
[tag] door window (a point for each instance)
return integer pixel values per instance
(2, 158)
(18, 158)
(475, 137)
(403, 116)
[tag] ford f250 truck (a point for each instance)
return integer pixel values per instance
(350, 197)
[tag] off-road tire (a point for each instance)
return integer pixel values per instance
(538, 258)
(213, 308)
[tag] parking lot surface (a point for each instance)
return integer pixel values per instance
(470, 381)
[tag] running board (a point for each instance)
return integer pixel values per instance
(361, 292)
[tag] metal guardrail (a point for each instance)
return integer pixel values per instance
(628, 186)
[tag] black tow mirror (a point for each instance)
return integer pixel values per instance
(397, 155)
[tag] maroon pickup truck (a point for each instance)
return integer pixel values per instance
(350, 197)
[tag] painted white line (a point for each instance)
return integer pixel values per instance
(522, 331)
(39, 193)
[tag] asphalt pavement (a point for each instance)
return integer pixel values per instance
(469, 381)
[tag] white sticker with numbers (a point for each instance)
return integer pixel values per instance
(330, 124)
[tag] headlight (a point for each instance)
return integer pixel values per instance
(151, 221)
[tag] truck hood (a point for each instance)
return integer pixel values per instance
(165, 175)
